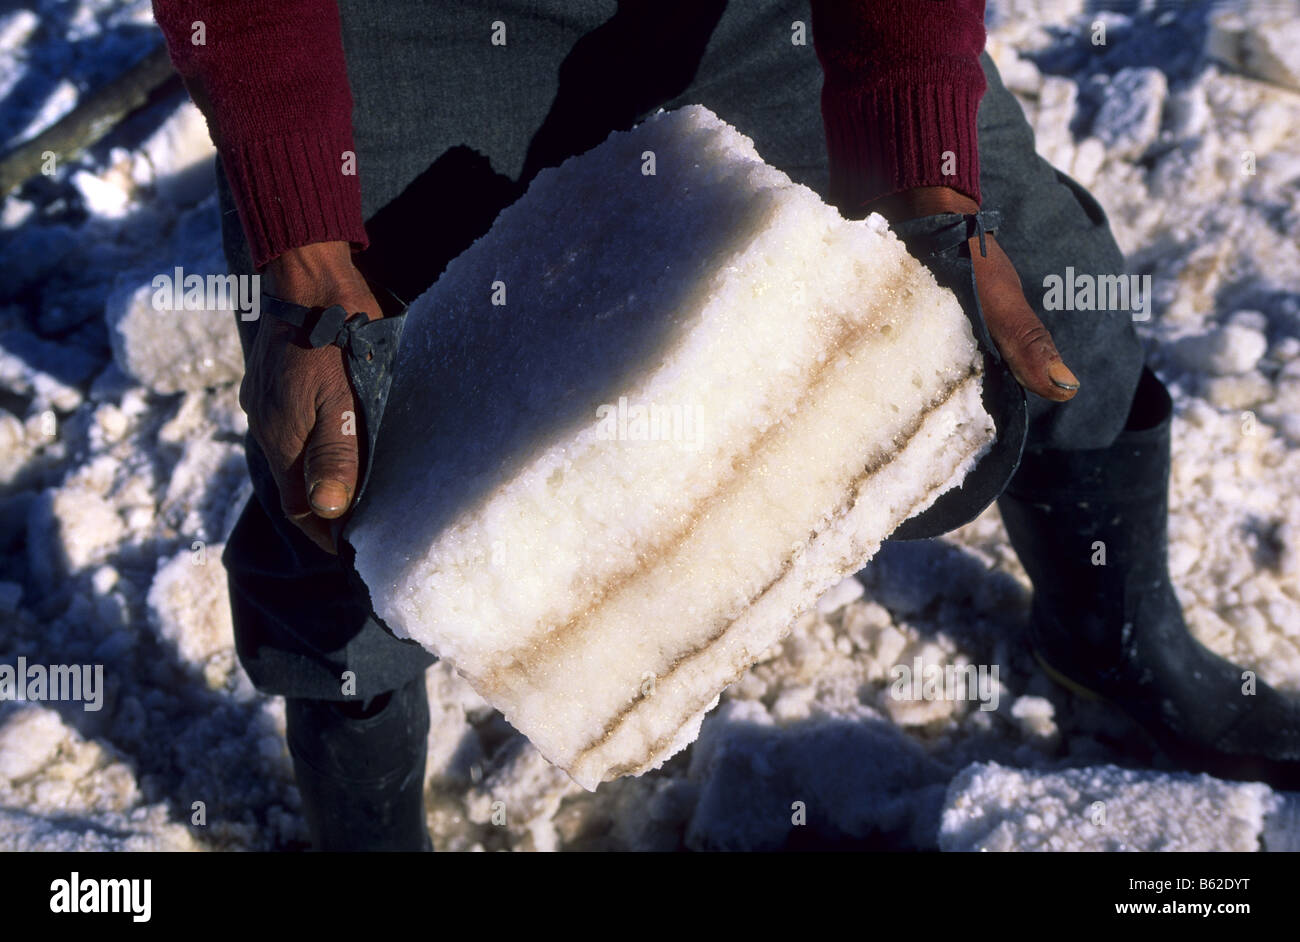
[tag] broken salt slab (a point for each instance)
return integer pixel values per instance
(1102, 808)
(1262, 40)
(173, 350)
(1128, 121)
(643, 423)
(1223, 351)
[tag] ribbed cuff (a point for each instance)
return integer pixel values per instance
(894, 137)
(292, 191)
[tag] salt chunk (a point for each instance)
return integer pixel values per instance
(854, 780)
(1262, 40)
(13, 446)
(58, 102)
(16, 28)
(1223, 351)
(103, 579)
(47, 371)
(173, 350)
(190, 606)
(1287, 349)
(30, 736)
(1089, 157)
(1239, 392)
(1187, 112)
(1035, 715)
(109, 423)
(1253, 320)
(794, 703)
(16, 212)
(839, 595)
(1057, 101)
(103, 194)
(100, 832)
(1129, 118)
(70, 529)
(701, 400)
(991, 807)
(180, 155)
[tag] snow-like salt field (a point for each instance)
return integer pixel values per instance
(121, 473)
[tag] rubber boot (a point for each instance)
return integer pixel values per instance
(1090, 529)
(360, 769)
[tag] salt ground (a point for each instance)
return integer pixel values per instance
(121, 470)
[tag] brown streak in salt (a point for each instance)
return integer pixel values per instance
(617, 720)
(522, 658)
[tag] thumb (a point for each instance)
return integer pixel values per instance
(331, 457)
(1022, 338)
(1032, 355)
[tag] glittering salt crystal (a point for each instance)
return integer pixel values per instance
(602, 513)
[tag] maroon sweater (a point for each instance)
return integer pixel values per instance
(902, 86)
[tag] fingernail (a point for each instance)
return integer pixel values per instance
(328, 496)
(1061, 376)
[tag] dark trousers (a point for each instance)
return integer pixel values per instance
(450, 127)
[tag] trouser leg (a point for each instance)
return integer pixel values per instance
(360, 769)
(1087, 512)
(1051, 223)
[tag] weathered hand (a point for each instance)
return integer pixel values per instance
(300, 405)
(1022, 339)
(1020, 336)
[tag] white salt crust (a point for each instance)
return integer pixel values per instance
(602, 592)
(1102, 808)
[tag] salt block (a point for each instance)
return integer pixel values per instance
(990, 807)
(1261, 40)
(668, 401)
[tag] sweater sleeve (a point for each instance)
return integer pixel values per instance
(272, 82)
(901, 88)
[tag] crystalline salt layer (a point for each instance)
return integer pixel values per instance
(706, 399)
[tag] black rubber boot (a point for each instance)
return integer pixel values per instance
(360, 769)
(1090, 529)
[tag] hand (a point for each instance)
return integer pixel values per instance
(1020, 336)
(296, 396)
